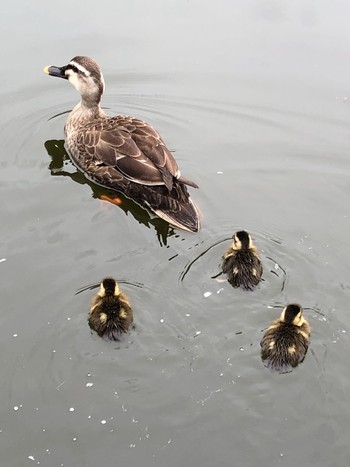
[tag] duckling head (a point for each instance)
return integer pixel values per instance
(108, 287)
(292, 314)
(85, 75)
(242, 240)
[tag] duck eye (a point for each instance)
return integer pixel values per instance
(73, 68)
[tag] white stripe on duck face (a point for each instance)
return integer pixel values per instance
(80, 68)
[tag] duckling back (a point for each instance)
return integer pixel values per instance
(110, 314)
(284, 345)
(243, 268)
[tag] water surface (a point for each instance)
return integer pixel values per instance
(252, 97)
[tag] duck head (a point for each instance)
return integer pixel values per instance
(85, 75)
(108, 287)
(292, 314)
(242, 240)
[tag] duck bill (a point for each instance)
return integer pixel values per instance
(56, 71)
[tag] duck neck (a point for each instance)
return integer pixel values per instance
(84, 112)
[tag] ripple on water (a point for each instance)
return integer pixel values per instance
(206, 266)
(196, 342)
(291, 274)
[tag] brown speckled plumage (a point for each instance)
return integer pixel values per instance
(124, 153)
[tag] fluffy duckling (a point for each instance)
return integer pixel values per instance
(241, 262)
(110, 313)
(286, 340)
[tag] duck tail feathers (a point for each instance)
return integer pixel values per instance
(186, 218)
(187, 181)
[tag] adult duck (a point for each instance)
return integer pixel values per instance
(123, 153)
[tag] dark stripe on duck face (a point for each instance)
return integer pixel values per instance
(83, 72)
(73, 68)
(80, 69)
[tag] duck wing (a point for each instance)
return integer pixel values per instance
(126, 154)
(134, 149)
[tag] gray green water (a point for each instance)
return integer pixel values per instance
(252, 98)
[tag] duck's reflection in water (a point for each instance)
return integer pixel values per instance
(61, 165)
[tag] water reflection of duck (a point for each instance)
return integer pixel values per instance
(110, 314)
(286, 340)
(241, 262)
(123, 153)
(60, 166)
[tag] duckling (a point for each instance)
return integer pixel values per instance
(110, 313)
(285, 343)
(123, 153)
(241, 262)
